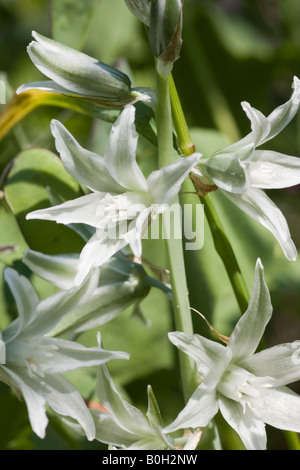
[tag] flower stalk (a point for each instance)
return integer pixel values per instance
(181, 309)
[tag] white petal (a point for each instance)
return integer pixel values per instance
(250, 328)
(69, 355)
(283, 115)
(99, 249)
(165, 183)
(125, 415)
(86, 167)
(228, 171)
(259, 123)
(65, 400)
(280, 362)
(53, 308)
(27, 301)
(198, 412)
(35, 402)
(280, 408)
(84, 209)
(46, 85)
(120, 153)
(245, 422)
(211, 357)
(274, 170)
(257, 205)
(60, 270)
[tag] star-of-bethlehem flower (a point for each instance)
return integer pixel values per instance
(32, 363)
(242, 171)
(122, 425)
(122, 199)
(248, 387)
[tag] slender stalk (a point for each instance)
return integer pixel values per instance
(225, 251)
(181, 306)
(185, 142)
(221, 242)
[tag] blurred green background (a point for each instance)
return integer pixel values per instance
(233, 50)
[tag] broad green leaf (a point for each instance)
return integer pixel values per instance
(71, 20)
(26, 190)
(12, 245)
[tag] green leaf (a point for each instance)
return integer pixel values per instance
(12, 245)
(32, 172)
(71, 20)
(240, 37)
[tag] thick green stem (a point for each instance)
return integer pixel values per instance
(181, 306)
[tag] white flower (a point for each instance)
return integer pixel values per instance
(241, 171)
(248, 388)
(32, 363)
(122, 199)
(121, 283)
(124, 425)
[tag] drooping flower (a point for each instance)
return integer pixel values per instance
(121, 200)
(76, 74)
(121, 283)
(242, 171)
(248, 387)
(33, 363)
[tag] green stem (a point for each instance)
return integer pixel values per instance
(181, 306)
(185, 142)
(221, 242)
(225, 251)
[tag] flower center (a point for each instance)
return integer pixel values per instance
(32, 355)
(240, 385)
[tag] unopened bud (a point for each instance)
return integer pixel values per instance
(141, 9)
(77, 74)
(165, 33)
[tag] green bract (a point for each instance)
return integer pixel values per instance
(241, 171)
(121, 200)
(32, 363)
(247, 387)
(77, 74)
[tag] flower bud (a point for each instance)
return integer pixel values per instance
(77, 74)
(165, 33)
(141, 9)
